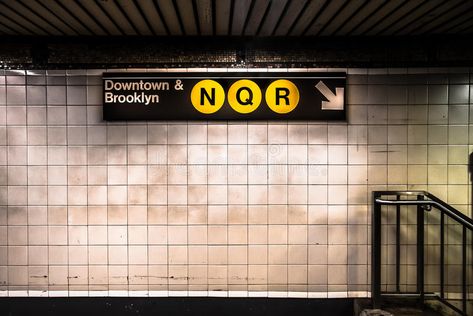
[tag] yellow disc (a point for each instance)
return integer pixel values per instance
(244, 96)
(207, 96)
(282, 96)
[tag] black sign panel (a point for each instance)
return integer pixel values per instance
(224, 96)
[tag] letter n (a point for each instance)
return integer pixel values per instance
(204, 94)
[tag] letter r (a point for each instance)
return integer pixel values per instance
(282, 93)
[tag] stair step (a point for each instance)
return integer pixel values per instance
(398, 311)
(410, 311)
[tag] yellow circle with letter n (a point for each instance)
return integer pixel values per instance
(282, 96)
(244, 96)
(207, 96)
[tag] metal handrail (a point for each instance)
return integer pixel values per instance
(468, 223)
(447, 208)
(423, 199)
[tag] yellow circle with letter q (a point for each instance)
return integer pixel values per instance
(244, 96)
(282, 96)
(207, 96)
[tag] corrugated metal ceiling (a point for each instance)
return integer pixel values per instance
(235, 17)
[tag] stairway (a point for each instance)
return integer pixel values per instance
(399, 307)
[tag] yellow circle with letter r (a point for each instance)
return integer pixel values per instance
(207, 96)
(282, 96)
(244, 96)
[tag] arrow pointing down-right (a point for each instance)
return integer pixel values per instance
(335, 101)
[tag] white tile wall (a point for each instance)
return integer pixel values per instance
(215, 208)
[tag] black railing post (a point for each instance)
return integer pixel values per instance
(464, 291)
(442, 255)
(420, 250)
(376, 253)
(398, 245)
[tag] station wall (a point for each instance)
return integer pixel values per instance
(191, 208)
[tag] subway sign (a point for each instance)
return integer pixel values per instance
(224, 96)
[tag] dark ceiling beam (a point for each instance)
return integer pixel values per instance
(13, 24)
(57, 16)
(383, 18)
(171, 16)
(92, 17)
(72, 16)
(452, 24)
(214, 17)
(161, 16)
(248, 16)
(143, 16)
(148, 9)
(82, 14)
(21, 18)
(277, 11)
(290, 19)
(127, 18)
(40, 17)
(222, 16)
(459, 27)
(466, 30)
(195, 12)
(109, 17)
(263, 19)
(409, 12)
(332, 18)
(346, 14)
(8, 30)
(206, 21)
(359, 17)
(453, 14)
(426, 18)
(259, 12)
(320, 7)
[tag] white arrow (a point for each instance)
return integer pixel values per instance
(335, 101)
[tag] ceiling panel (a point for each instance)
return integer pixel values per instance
(363, 13)
(223, 10)
(290, 16)
(234, 17)
(27, 13)
(6, 30)
(205, 16)
(257, 14)
(428, 16)
(171, 20)
(150, 11)
(405, 16)
(340, 19)
(456, 24)
(451, 14)
(49, 16)
(378, 16)
(241, 9)
(117, 17)
(14, 25)
(134, 15)
(308, 15)
(86, 17)
(23, 21)
(188, 16)
(326, 16)
(277, 8)
(401, 16)
(104, 16)
(65, 14)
